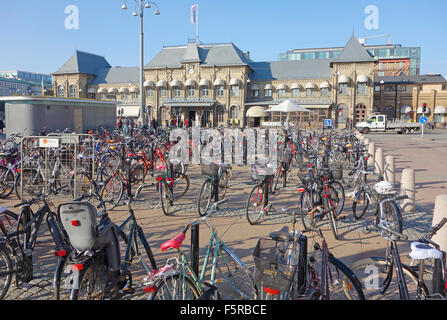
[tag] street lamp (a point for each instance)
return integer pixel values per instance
(140, 5)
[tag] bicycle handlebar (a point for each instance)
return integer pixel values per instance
(435, 229)
(41, 197)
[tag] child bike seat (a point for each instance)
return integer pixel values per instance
(422, 251)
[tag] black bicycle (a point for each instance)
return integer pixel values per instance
(19, 236)
(214, 187)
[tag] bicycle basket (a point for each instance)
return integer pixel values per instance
(259, 173)
(79, 221)
(211, 169)
(272, 268)
(306, 179)
(337, 172)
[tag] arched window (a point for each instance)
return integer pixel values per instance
(72, 91)
(234, 112)
(60, 91)
(220, 113)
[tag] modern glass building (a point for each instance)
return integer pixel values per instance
(27, 76)
(393, 58)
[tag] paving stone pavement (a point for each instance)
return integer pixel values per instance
(241, 236)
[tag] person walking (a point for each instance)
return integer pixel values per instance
(2, 125)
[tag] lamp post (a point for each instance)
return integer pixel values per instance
(140, 5)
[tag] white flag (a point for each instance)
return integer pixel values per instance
(194, 13)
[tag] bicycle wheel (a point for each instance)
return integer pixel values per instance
(329, 206)
(255, 205)
(181, 185)
(360, 204)
(6, 271)
(277, 175)
(173, 288)
(83, 184)
(391, 214)
(93, 281)
(205, 197)
(113, 189)
(32, 183)
(164, 197)
(6, 182)
(62, 277)
(341, 196)
(372, 273)
(235, 274)
(306, 205)
(223, 184)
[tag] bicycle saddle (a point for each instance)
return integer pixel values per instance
(281, 235)
(422, 251)
(175, 242)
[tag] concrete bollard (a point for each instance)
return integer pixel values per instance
(378, 163)
(371, 151)
(440, 212)
(407, 187)
(389, 170)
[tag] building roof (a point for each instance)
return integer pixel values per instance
(292, 69)
(116, 75)
(226, 54)
(416, 79)
(354, 51)
(83, 62)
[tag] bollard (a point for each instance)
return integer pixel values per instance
(371, 151)
(195, 248)
(378, 166)
(389, 170)
(407, 187)
(439, 212)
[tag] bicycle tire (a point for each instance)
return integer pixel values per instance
(235, 273)
(277, 175)
(6, 271)
(373, 268)
(360, 204)
(59, 290)
(341, 196)
(164, 197)
(259, 199)
(173, 287)
(178, 178)
(93, 280)
(392, 215)
(205, 197)
(223, 184)
(306, 205)
(112, 189)
(6, 183)
(34, 188)
(327, 203)
(346, 285)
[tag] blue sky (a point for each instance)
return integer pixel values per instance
(34, 37)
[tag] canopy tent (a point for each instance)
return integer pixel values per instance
(288, 106)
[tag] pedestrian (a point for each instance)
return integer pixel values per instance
(2, 125)
(120, 124)
(186, 122)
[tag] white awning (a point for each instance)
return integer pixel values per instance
(311, 85)
(162, 84)
(128, 111)
(268, 86)
(235, 82)
(112, 90)
(296, 86)
(257, 111)
(102, 90)
(176, 83)
(190, 83)
(219, 82)
(282, 86)
(149, 83)
(134, 90)
(419, 110)
(325, 84)
(205, 83)
(343, 79)
(440, 109)
(362, 78)
(91, 90)
(124, 90)
(405, 109)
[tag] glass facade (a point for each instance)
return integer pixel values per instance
(390, 52)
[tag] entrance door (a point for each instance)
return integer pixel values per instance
(191, 117)
(78, 121)
(256, 122)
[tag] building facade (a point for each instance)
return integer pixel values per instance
(218, 84)
(393, 59)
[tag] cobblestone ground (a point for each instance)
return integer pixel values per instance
(355, 243)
